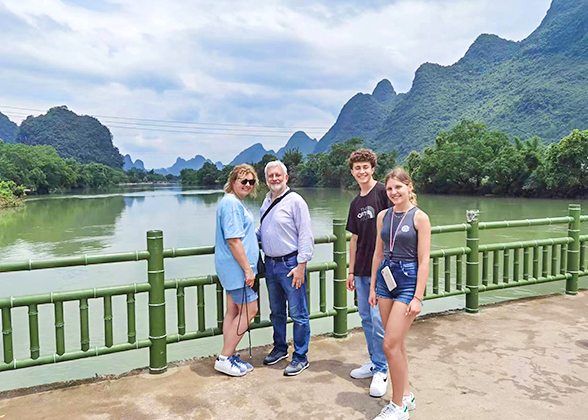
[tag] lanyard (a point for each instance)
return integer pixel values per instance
(393, 241)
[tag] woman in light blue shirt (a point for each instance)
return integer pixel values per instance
(235, 260)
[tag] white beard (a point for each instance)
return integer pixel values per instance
(276, 188)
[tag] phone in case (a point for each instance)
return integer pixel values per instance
(389, 278)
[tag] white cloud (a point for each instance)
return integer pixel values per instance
(275, 63)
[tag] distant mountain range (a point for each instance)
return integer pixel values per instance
(128, 164)
(252, 154)
(299, 140)
(195, 163)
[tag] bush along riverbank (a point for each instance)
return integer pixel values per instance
(468, 159)
(11, 195)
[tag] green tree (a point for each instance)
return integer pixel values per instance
(309, 172)
(292, 159)
(565, 172)
(224, 174)
(460, 160)
(413, 162)
(336, 172)
(386, 162)
(188, 177)
(260, 166)
(513, 172)
(208, 174)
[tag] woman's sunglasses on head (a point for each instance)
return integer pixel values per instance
(248, 181)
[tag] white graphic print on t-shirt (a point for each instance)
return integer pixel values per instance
(366, 213)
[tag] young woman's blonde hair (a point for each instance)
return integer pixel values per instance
(400, 174)
(241, 171)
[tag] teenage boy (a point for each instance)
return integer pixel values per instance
(362, 224)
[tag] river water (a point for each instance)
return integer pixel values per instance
(63, 225)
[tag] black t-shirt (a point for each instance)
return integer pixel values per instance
(363, 213)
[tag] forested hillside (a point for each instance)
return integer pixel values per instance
(535, 87)
(83, 138)
(362, 116)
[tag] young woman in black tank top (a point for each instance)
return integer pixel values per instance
(408, 260)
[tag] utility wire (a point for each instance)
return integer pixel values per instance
(180, 122)
(280, 135)
(188, 130)
(151, 125)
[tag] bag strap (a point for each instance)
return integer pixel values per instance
(276, 201)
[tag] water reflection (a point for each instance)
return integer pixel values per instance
(130, 200)
(206, 198)
(62, 226)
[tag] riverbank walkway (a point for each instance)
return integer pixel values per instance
(518, 360)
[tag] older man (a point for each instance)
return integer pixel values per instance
(288, 244)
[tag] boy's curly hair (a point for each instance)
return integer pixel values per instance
(363, 155)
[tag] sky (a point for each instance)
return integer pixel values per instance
(179, 78)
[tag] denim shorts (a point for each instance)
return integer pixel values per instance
(239, 298)
(405, 274)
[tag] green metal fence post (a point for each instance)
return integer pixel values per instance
(340, 279)
(156, 276)
(573, 250)
(7, 335)
(473, 261)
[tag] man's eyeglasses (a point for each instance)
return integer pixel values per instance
(248, 181)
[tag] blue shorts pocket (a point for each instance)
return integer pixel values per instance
(409, 268)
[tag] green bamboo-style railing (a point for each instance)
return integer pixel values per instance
(469, 270)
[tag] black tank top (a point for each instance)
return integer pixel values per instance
(406, 245)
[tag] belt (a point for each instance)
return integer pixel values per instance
(284, 257)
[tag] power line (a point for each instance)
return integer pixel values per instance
(204, 128)
(196, 130)
(180, 122)
(202, 132)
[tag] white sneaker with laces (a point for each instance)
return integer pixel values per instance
(229, 367)
(409, 401)
(365, 371)
(379, 384)
(393, 412)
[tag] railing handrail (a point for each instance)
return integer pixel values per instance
(52, 297)
(129, 256)
(525, 222)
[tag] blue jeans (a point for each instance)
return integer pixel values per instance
(280, 290)
(371, 322)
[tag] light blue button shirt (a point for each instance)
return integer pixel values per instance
(233, 220)
(287, 228)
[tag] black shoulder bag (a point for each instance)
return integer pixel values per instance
(260, 263)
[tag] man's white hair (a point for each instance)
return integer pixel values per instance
(275, 163)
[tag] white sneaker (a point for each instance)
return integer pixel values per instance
(379, 384)
(366, 371)
(409, 401)
(393, 412)
(229, 367)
